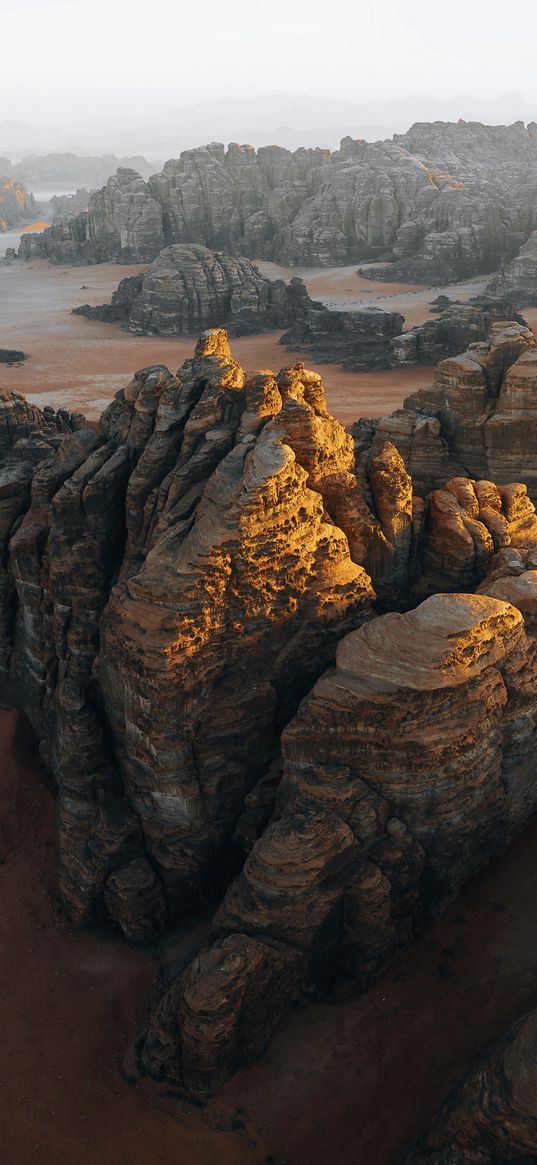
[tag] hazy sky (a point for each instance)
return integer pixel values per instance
(60, 60)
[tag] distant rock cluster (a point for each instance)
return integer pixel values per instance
(439, 203)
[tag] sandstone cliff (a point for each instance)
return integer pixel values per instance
(440, 203)
(475, 420)
(192, 529)
(404, 771)
(175, 587)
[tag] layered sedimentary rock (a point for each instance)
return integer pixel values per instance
(65, 205)
(405, 769)
(476, 420)
(16, 204)
(440, 202)
(518, 279)
(176, 585)
(455, 327)
(490, 1117)
(189, 288)
(467, 526)
(360, 340)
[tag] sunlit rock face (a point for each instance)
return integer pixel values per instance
(443, 201)
(17, 205)
(405, 769)
(490, 1117)
(175, 582)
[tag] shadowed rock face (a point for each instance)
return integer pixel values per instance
(405, 769)
(518, 279)
(490, 1117)
(441, 202)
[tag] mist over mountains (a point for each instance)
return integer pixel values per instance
(286, 120)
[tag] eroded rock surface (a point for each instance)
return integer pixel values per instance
(16, 204)
(490, 1117)
(442, 202)
(476, 420)
(175, 583)
(175, 586)
(189, 288)
(405, 769)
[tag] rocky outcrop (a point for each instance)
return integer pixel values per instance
(476, 420)
(190, 613)
(455, 327)
(467, 526)
(405, 769)
(490, 1117)
(17, 206)
(64, 205)
(441, 202)
(360, 340)
(518, 279)
(11, 356)
(176, 584)
(189, 288)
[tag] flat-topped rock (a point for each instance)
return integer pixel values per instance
(446, 641)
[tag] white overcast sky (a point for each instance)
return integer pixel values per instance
(82, 58)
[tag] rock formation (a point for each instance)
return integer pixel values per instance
(490, 1117)
(442, 202)
(405, 769)
(455, 327)
(188, 288)
(11, 356)
(518, 279)
(195, 529)
(360, 340)
(17, 206)
(65, 205)
(191, 600)
(476, 420)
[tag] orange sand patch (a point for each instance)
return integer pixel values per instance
(34, 226)
(80, 364)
